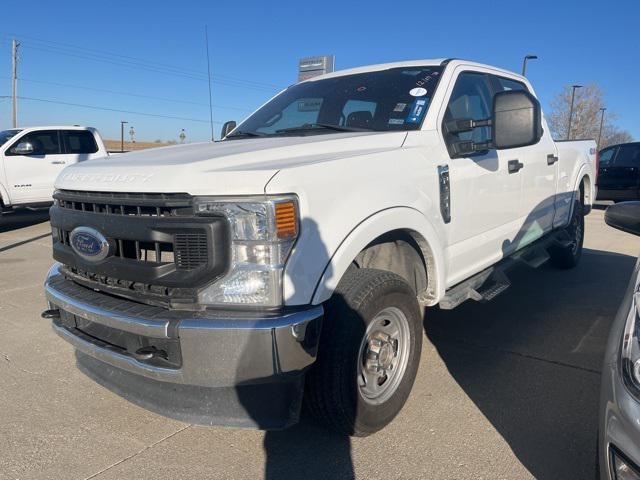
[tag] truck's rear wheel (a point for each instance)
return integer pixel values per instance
(568, 255)
(369, 353)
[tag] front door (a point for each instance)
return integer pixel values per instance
(485, 197)
(30, 177)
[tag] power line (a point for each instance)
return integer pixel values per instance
(131, 112)
(104, 90)
(134, 62)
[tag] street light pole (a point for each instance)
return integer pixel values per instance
(601, 123)
(122, 122)
(524, 62)
(573, 95)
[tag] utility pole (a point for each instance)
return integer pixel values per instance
(601, 123)
(122, 122)
(206, 38)
(573, 95)
(524, 62)
(14, 82)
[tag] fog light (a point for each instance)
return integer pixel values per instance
(623, 469)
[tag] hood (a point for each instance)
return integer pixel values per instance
(232, 167)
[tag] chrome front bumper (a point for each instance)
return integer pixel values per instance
(217, 350)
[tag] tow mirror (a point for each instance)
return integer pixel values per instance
(23, 148)
(227, 127)
(624, 216)
(517, 120)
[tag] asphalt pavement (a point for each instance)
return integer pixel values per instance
(506, 390)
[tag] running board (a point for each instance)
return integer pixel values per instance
(490, 283)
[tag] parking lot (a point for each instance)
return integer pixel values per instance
(507, 389)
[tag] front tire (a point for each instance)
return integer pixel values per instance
(369, 353)
(568, 255)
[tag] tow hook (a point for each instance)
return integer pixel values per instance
(147, 353)
(53, 314)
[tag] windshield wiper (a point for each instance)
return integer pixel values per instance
(245, 134)
(328, 126)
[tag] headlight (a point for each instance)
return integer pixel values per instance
(631, 347)
(263, 231)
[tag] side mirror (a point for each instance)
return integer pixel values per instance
(517, 120)
(227, 127)
(624, 216)
(23, 148)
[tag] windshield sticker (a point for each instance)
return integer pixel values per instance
(418, 110)
(400, 107)
(418, 92)
(395, 121)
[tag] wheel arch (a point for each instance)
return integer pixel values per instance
(392, 223)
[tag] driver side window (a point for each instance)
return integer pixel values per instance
(472, 97)
(45, 142)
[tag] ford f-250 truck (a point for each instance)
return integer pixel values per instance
(229, 282)
(31, 159)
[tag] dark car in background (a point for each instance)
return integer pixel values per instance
(619, 172)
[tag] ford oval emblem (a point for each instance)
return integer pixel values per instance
(89, 244)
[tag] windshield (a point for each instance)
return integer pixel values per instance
(396, 99)
(7, 134)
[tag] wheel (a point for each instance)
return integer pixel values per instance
(369, 353)
(568, 255)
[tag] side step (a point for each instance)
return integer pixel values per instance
(490, 283)
(483, 287)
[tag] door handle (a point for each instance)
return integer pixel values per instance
(58, 162)
(515, 166)
(551, 159)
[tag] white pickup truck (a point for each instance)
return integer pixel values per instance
(228, 282)
(31, 159)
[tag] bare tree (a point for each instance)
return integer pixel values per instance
(585, 121)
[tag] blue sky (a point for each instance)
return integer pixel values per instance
(255, 46)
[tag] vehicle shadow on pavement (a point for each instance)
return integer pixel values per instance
(306, 450)
(531, 359)
(23, 218)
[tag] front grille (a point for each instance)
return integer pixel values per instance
(160, 251)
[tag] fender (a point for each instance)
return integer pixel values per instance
(379, 223)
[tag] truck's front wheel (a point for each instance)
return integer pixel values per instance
(369, 353)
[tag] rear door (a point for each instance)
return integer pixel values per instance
(538, 168)
(619, 172)
(30, 177)
(79, 145)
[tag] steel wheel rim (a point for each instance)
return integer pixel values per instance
(383, 355)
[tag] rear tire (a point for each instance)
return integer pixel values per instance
(568, 256)
(369, 353)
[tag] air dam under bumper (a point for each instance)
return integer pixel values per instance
(232, 369)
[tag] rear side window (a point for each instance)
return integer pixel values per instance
(79, 141)
(45, 142)
(628, 156)
(606, 156)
